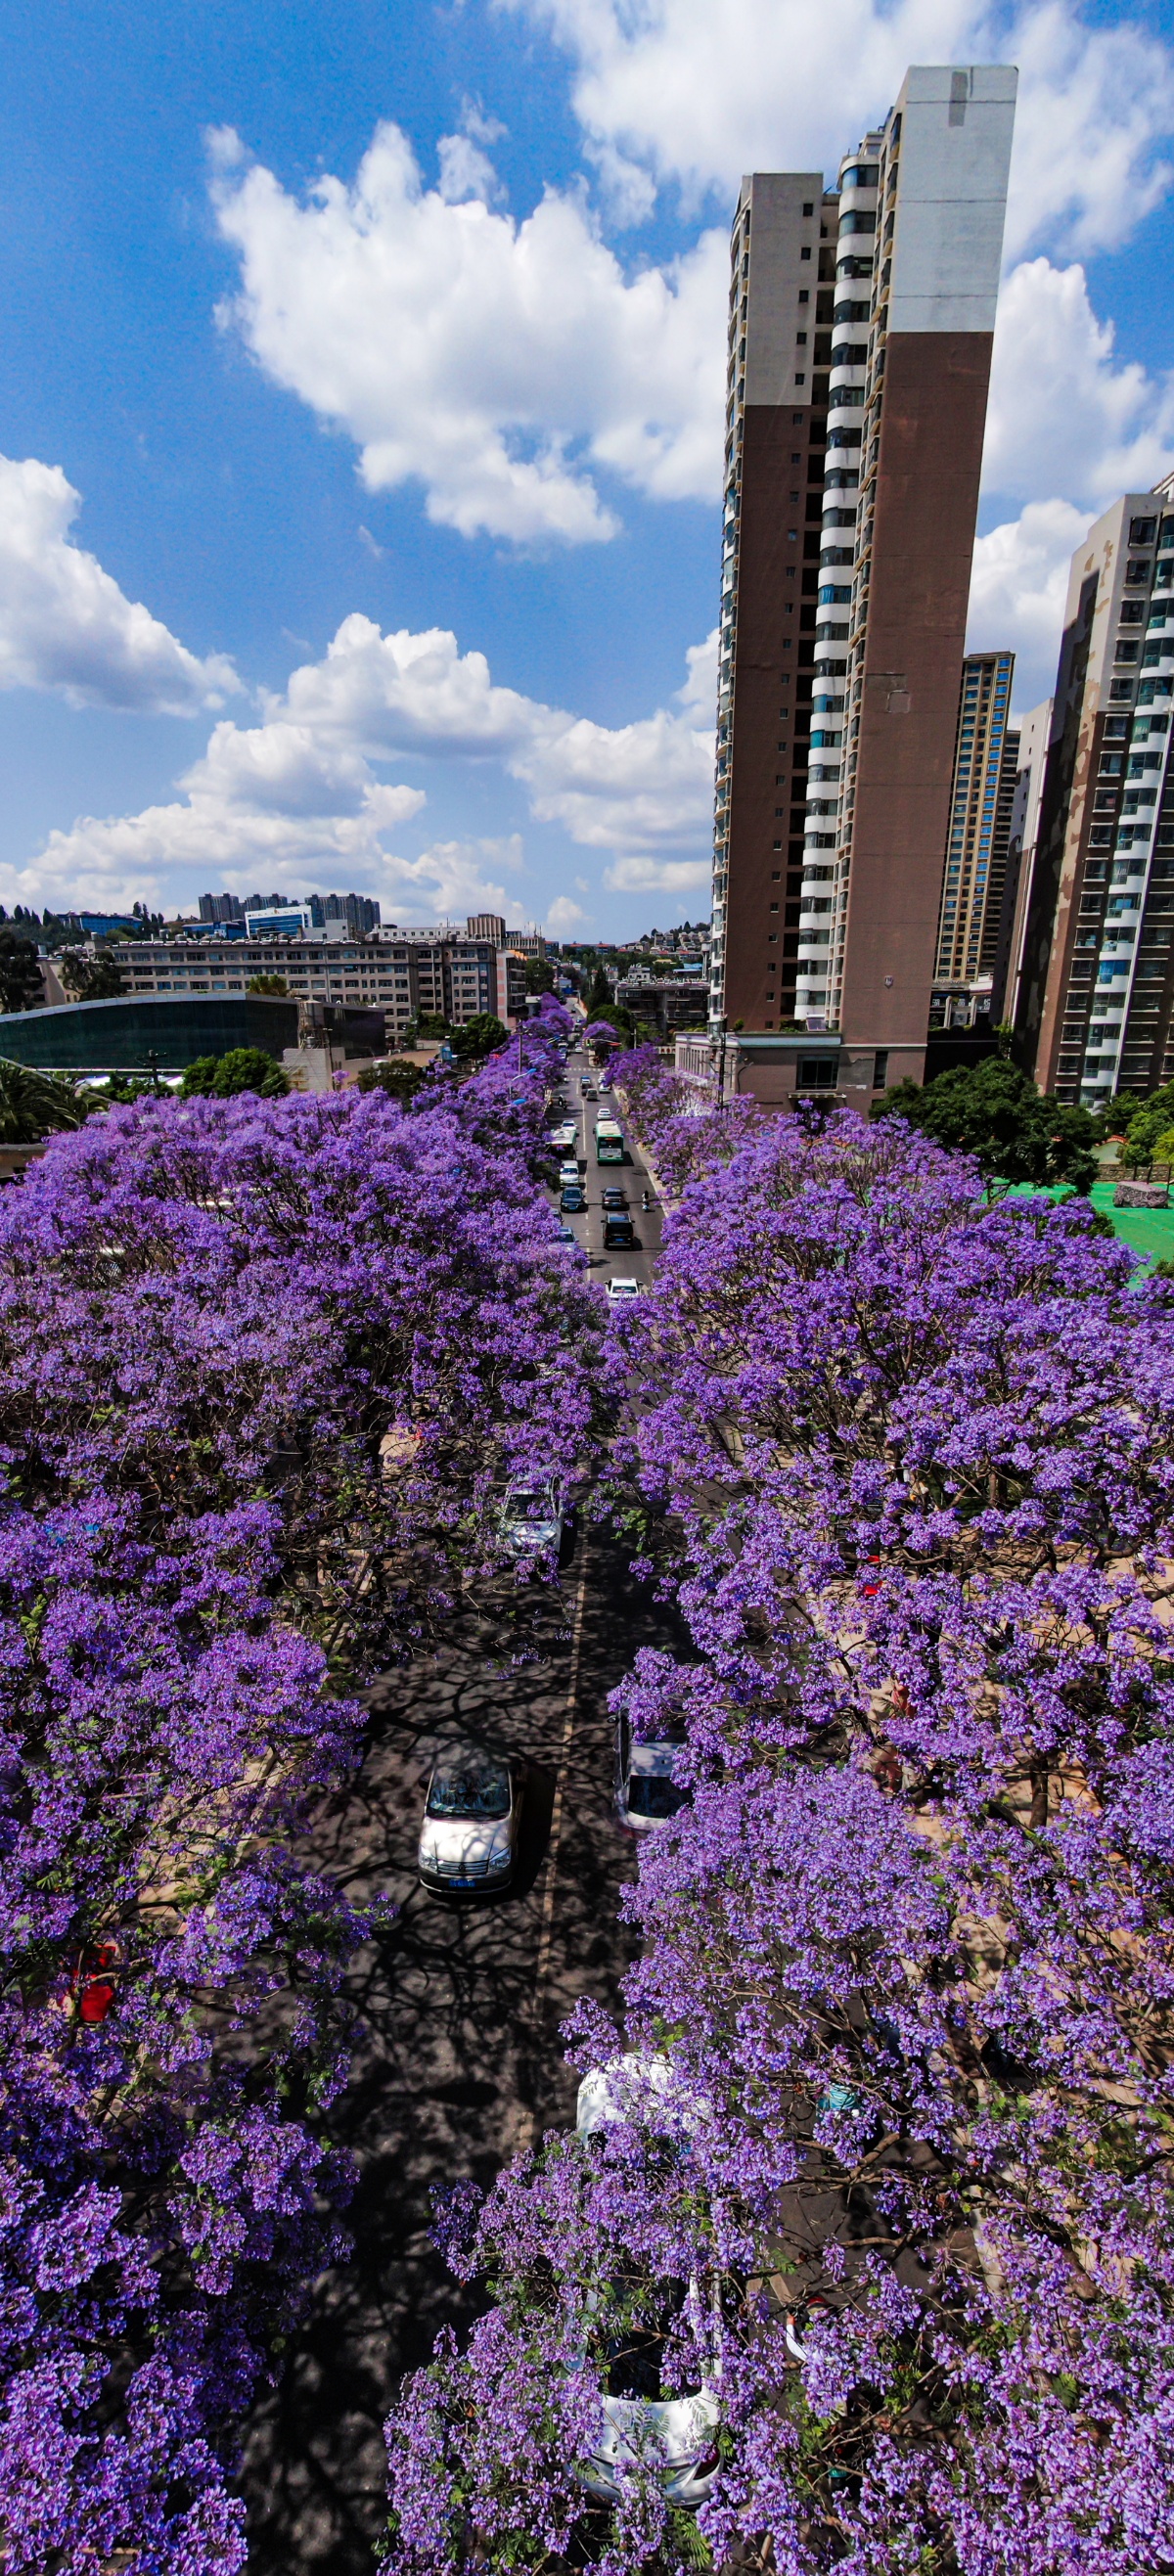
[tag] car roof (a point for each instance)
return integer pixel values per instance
(450, 1757)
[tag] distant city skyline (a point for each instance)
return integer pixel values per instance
(424, 602)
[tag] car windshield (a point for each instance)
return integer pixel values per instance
(651, 1794)
(472, 1786)
(634, 2352)
(532, 1503)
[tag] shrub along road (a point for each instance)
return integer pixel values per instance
(459, 2062)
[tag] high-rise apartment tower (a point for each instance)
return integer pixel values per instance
(859, 343)
(1096, 980)
(974, 878)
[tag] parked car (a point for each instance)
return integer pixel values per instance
(620, 1289)
(612, 1197)
(573, 1199)
(535, 1512)
(619, 1233)
(681, 2430)
(472, 1818)
(647, 1794)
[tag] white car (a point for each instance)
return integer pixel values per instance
(678, 2434)
(534, 1514)
(646, 1792)
(619, 1289)
(472, 1817)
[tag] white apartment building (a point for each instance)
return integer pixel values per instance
(401, 973)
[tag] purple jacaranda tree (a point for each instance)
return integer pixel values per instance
(903, 1460)
(262, 1366)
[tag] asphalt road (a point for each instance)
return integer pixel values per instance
(631, 1177)
(459, 2063)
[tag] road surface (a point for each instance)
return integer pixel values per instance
(459, 2062)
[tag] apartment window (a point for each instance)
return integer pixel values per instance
(1141, 531)
(1132, 612)
(817, 1073)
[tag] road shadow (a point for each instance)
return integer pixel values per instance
(454, 2062)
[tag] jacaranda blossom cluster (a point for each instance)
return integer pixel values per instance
(261, 1366)
(906, 1463)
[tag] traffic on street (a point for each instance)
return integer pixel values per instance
(486, 1809)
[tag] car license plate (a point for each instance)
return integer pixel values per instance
(464, 1882)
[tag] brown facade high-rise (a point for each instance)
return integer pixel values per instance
(894, 338)
(1095, 992)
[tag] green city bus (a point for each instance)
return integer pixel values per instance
(609, 1142)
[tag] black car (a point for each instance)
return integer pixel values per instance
(619, 1234)
(613, 1198)
(574, 1199)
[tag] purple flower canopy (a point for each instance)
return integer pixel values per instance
(263, 1365)
(904, 1462)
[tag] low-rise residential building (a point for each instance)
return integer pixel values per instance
(671, 1001)
(402, 973)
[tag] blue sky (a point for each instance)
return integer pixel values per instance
(361, 387)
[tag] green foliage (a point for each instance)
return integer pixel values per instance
(478, 1037)
(89, 979)
(598, 995)
(21, 988)
(35, 1104)
(993, 1111)
(432, 1024)
(620, 1020)
(397, 1077)
(124, 1088)
(1148, 1132)
(266, 984)
(539, 975)
(221, 1077)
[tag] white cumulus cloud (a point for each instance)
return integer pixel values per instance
(1018, 589)
(656, 876)
(300, 797)
(1066, 414)
(565, 916)
(1070, 426)
(64, 623)
(499, 364)
(695, 95)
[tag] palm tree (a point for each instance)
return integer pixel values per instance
(35, 1104)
